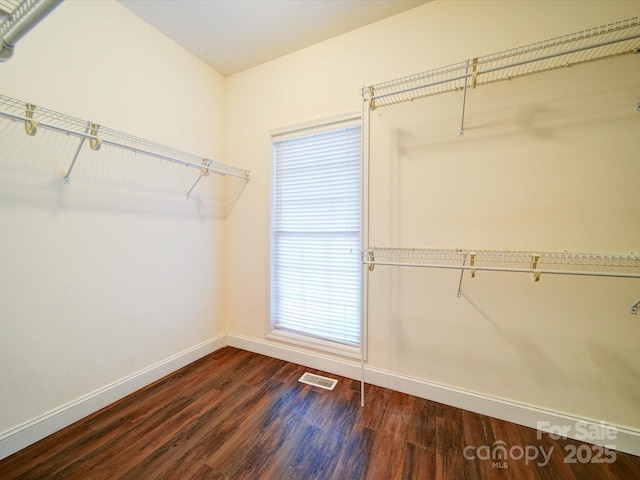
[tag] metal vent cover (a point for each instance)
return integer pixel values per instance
(318, 381)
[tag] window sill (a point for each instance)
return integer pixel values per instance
(335, 348)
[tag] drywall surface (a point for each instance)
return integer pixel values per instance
(116, 271)
(547, 162)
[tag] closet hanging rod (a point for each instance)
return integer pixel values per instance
(434, 255)
(505, 269)
(77, 127)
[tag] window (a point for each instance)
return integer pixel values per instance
(316, 241)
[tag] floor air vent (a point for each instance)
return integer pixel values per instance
(318, 381)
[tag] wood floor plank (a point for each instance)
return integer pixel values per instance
(44, 452)
(509, 452)
(370, 417)
(253, 429)
(397, 415)
(315, 456)
(583, 468)
(222, 435)
(238, 415)
(421, 428)
(624, 466)
(420, 462)
(355, 456)
(83, 445)
(387, 457)
(206, 473)
(138, 450)
(474, 437)
(98, 462)
(182, 455)
(289, 373)
(267, 453)
(550, 464)
(270, 368)
(283, 443)
(449, 445)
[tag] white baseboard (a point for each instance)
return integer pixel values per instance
(25, 434)
(599, 433)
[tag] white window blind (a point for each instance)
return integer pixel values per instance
(316, 240)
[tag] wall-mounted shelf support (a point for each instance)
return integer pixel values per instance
(204, 171)
(30, 125)
(535, 258)
(67, 177)
(94, 142)
(464, 100)
(459, 292)
(472, 262)
(371, 257)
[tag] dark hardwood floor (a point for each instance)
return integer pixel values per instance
(239, 415)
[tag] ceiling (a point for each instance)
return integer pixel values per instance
(234, 35)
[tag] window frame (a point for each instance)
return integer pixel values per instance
(287, 336)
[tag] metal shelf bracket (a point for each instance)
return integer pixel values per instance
(95, 143)
(372, 259)
(474, 73)
(464, 99)
(459, 292)
(30, 125)
(472, 262)
(534, 265)
(204, 172)
(67, 177)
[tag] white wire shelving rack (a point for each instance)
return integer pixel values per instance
(534, 263)
(606, 41)
(35, 117)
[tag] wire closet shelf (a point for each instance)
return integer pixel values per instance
(35, 117)
(568, 263)
(534, 263)
(618, 38)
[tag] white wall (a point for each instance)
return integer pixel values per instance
(561, 345)
(117, 271)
